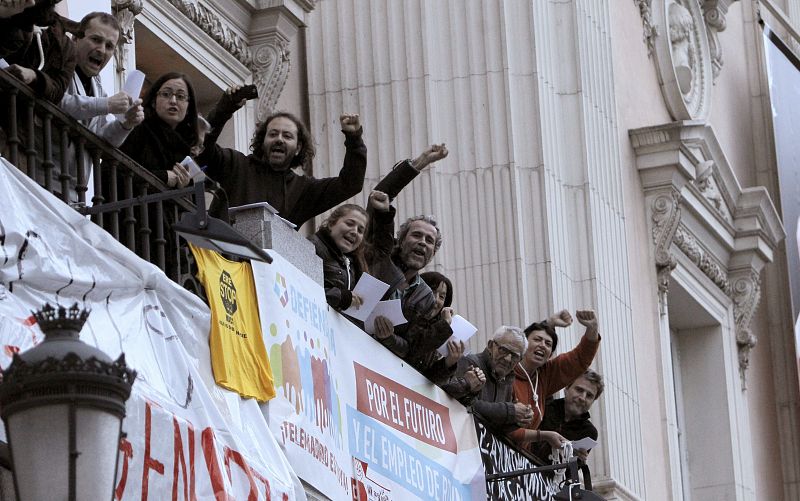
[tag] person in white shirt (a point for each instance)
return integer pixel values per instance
(85, 99)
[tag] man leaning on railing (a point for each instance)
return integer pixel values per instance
(85, 99)
(34, 45)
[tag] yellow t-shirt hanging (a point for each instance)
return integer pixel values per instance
(238, 356)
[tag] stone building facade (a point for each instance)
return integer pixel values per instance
(613, 154)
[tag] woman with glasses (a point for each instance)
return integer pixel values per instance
(169, 130)
(159, 143)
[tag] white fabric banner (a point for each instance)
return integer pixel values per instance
(187, 438)
(355, 421)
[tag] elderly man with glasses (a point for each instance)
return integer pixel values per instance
(494, 404)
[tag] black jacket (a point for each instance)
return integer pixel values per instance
(341, 270)
(554, 420)
(156, 146)
(424, 338)
(494, 404)
(248, 179)
(18, 46)
(417, 301)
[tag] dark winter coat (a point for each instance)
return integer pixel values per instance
(248, 179)
(341, 270)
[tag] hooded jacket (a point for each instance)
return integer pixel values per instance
(18, 45)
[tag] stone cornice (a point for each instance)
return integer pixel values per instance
(212, 25)
(690, 187)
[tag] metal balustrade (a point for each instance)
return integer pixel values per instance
(54, 149)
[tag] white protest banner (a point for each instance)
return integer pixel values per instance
(186, 437)
(354, 420)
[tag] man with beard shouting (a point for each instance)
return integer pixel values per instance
(281, 143)
(398, 262)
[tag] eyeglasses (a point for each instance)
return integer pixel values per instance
(504, 352)
(181, 97)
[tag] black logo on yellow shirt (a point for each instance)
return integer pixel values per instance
(227, 291)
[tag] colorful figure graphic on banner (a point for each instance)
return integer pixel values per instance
(300, 361)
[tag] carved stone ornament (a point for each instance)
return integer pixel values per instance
(745, 294)
(209, 22)
(682, 56)
(650, 30)
(698, 254)
(271, 65)
(707, 184)
(125, 11)
(698, 210)
(714, 12)
(665, 215)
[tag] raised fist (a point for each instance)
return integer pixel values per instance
(587, 318)
(560, 319)
(433, 153)
(379, 201)
(350, 122)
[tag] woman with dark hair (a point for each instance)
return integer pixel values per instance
(169, 130)
(427, 334)
(158, 144)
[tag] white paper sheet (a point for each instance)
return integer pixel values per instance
(132, 87)
(195, 172)
(133, 84)
(584, 443)
(390, 309)
(371, 290)
(3, 64)
(462, 331)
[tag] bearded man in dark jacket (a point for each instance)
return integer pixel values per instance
(398, 262)
(280, 143)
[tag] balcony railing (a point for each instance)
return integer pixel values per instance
(59, 153)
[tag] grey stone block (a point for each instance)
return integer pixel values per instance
(269, 231)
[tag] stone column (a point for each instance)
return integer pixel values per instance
(530, 198)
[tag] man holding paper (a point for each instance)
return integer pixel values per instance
(85, 99)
